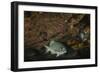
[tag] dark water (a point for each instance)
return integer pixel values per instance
(32, 54)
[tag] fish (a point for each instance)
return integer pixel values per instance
(84, 36)
(56, 48)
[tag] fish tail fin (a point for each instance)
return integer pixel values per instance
(47, 48)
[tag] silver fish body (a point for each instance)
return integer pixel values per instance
(56, 48)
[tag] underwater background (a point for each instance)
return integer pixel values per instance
(56, 36)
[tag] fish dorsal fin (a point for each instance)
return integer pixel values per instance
(51, 42)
